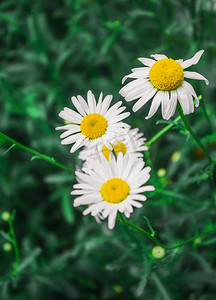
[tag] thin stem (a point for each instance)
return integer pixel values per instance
(16, 248)
(195, 137)
(157, 242)
(161, 132)
(151, 237)
(42, 156)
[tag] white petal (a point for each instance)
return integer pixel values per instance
(144, 99)
(98, 108)
(138, 92)
(71, 139)
(112, 218)
(186, 100)
(192, 61)
(147, 188)
(131, 86)
(74, 129)
(135, 203)
(107, 210)
(87, 199)
(155, 104)
(77, 145)
(139, 197)
(187, 86)
(195, 75)
(65, 127)
(105, 104)
(79, 107)
(165, 104)
(112, 109)
(84, 104)
(158, 56)
(137, 74)
(75, 118)
(119, 117)
(172, 104)
(98, 208)
(127, 214)
(91, 102)
(147, 61)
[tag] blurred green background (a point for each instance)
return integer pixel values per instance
(52, 50)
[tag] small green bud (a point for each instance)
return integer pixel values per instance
(7, 247)
(197, 241)
(5, 216)
(161, 172)
(118, 288)
(158, 252)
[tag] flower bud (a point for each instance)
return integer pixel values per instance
(5, 216)
(158, 252)
(176, 156)
(7, 247)
(161, 172)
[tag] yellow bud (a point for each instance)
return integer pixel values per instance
(176, 156)
(118, 288)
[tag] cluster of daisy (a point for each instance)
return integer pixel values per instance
(114, 176)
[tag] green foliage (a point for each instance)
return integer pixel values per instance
(51, 50)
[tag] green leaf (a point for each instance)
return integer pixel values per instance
(35, 157)
(6, 236)
(30, 258)
(67, 208)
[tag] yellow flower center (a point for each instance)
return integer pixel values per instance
(93, 126)
(115, 190)
(166, 74)
(120, 147)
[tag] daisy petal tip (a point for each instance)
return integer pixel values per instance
(134, 109)
(123, 80)
(111, 226)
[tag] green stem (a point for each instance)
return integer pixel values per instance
(195, 137)
(161, 132)
(151, 237)
(42, 156)
(157, 242)
(16, 249)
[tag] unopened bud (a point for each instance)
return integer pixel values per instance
(158, 252)
(7, 247)
(5, 216)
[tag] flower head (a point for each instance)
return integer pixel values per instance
(163, 79)
(131, 142)
(93, 122)
(112, 186)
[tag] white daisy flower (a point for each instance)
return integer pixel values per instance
(163, 79)
(93, 122)
(112, 186)
(131, 142)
